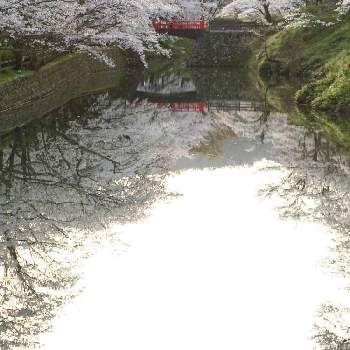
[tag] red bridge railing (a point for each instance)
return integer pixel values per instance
(179, 25)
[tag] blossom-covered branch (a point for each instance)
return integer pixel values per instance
(64, 25)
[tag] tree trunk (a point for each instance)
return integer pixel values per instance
(267, 13)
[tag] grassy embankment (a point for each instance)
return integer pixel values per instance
(318, 56)
(180, 48)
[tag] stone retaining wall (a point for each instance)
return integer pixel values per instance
(222, 49)
(54, 85)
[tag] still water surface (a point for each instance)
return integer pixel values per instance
(189, 213)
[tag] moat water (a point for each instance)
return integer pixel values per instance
(186, 210)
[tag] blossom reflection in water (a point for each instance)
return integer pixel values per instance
(213, 268)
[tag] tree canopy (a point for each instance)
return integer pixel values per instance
(90, 25)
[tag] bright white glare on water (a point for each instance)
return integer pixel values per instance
(214, 268)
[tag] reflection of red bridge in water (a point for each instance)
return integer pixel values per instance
(183, 106)
(220, 105)
(191, 101)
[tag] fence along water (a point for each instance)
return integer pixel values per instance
(13, 63)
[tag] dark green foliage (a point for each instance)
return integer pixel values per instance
(320, 56)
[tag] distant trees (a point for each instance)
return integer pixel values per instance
(285, 12)
(211, 7)
(264, 9)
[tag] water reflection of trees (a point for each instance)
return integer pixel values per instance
(312, 152)
(64, 178)
(226, 84)
(316, 187)
(54, 185)
(53, 180)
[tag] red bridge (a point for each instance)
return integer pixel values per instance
(188, 29)
(179, 25)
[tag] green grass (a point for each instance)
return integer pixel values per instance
(10, 75)
(320, 56)
(337, 131)
(6, 54)
(59, 60)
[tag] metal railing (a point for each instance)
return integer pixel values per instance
(228, 25)
(12, 64)
(213, 106)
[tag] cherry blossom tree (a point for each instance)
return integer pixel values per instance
(257, 8)
(66, 25)
(343, 7)
(93, 25)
